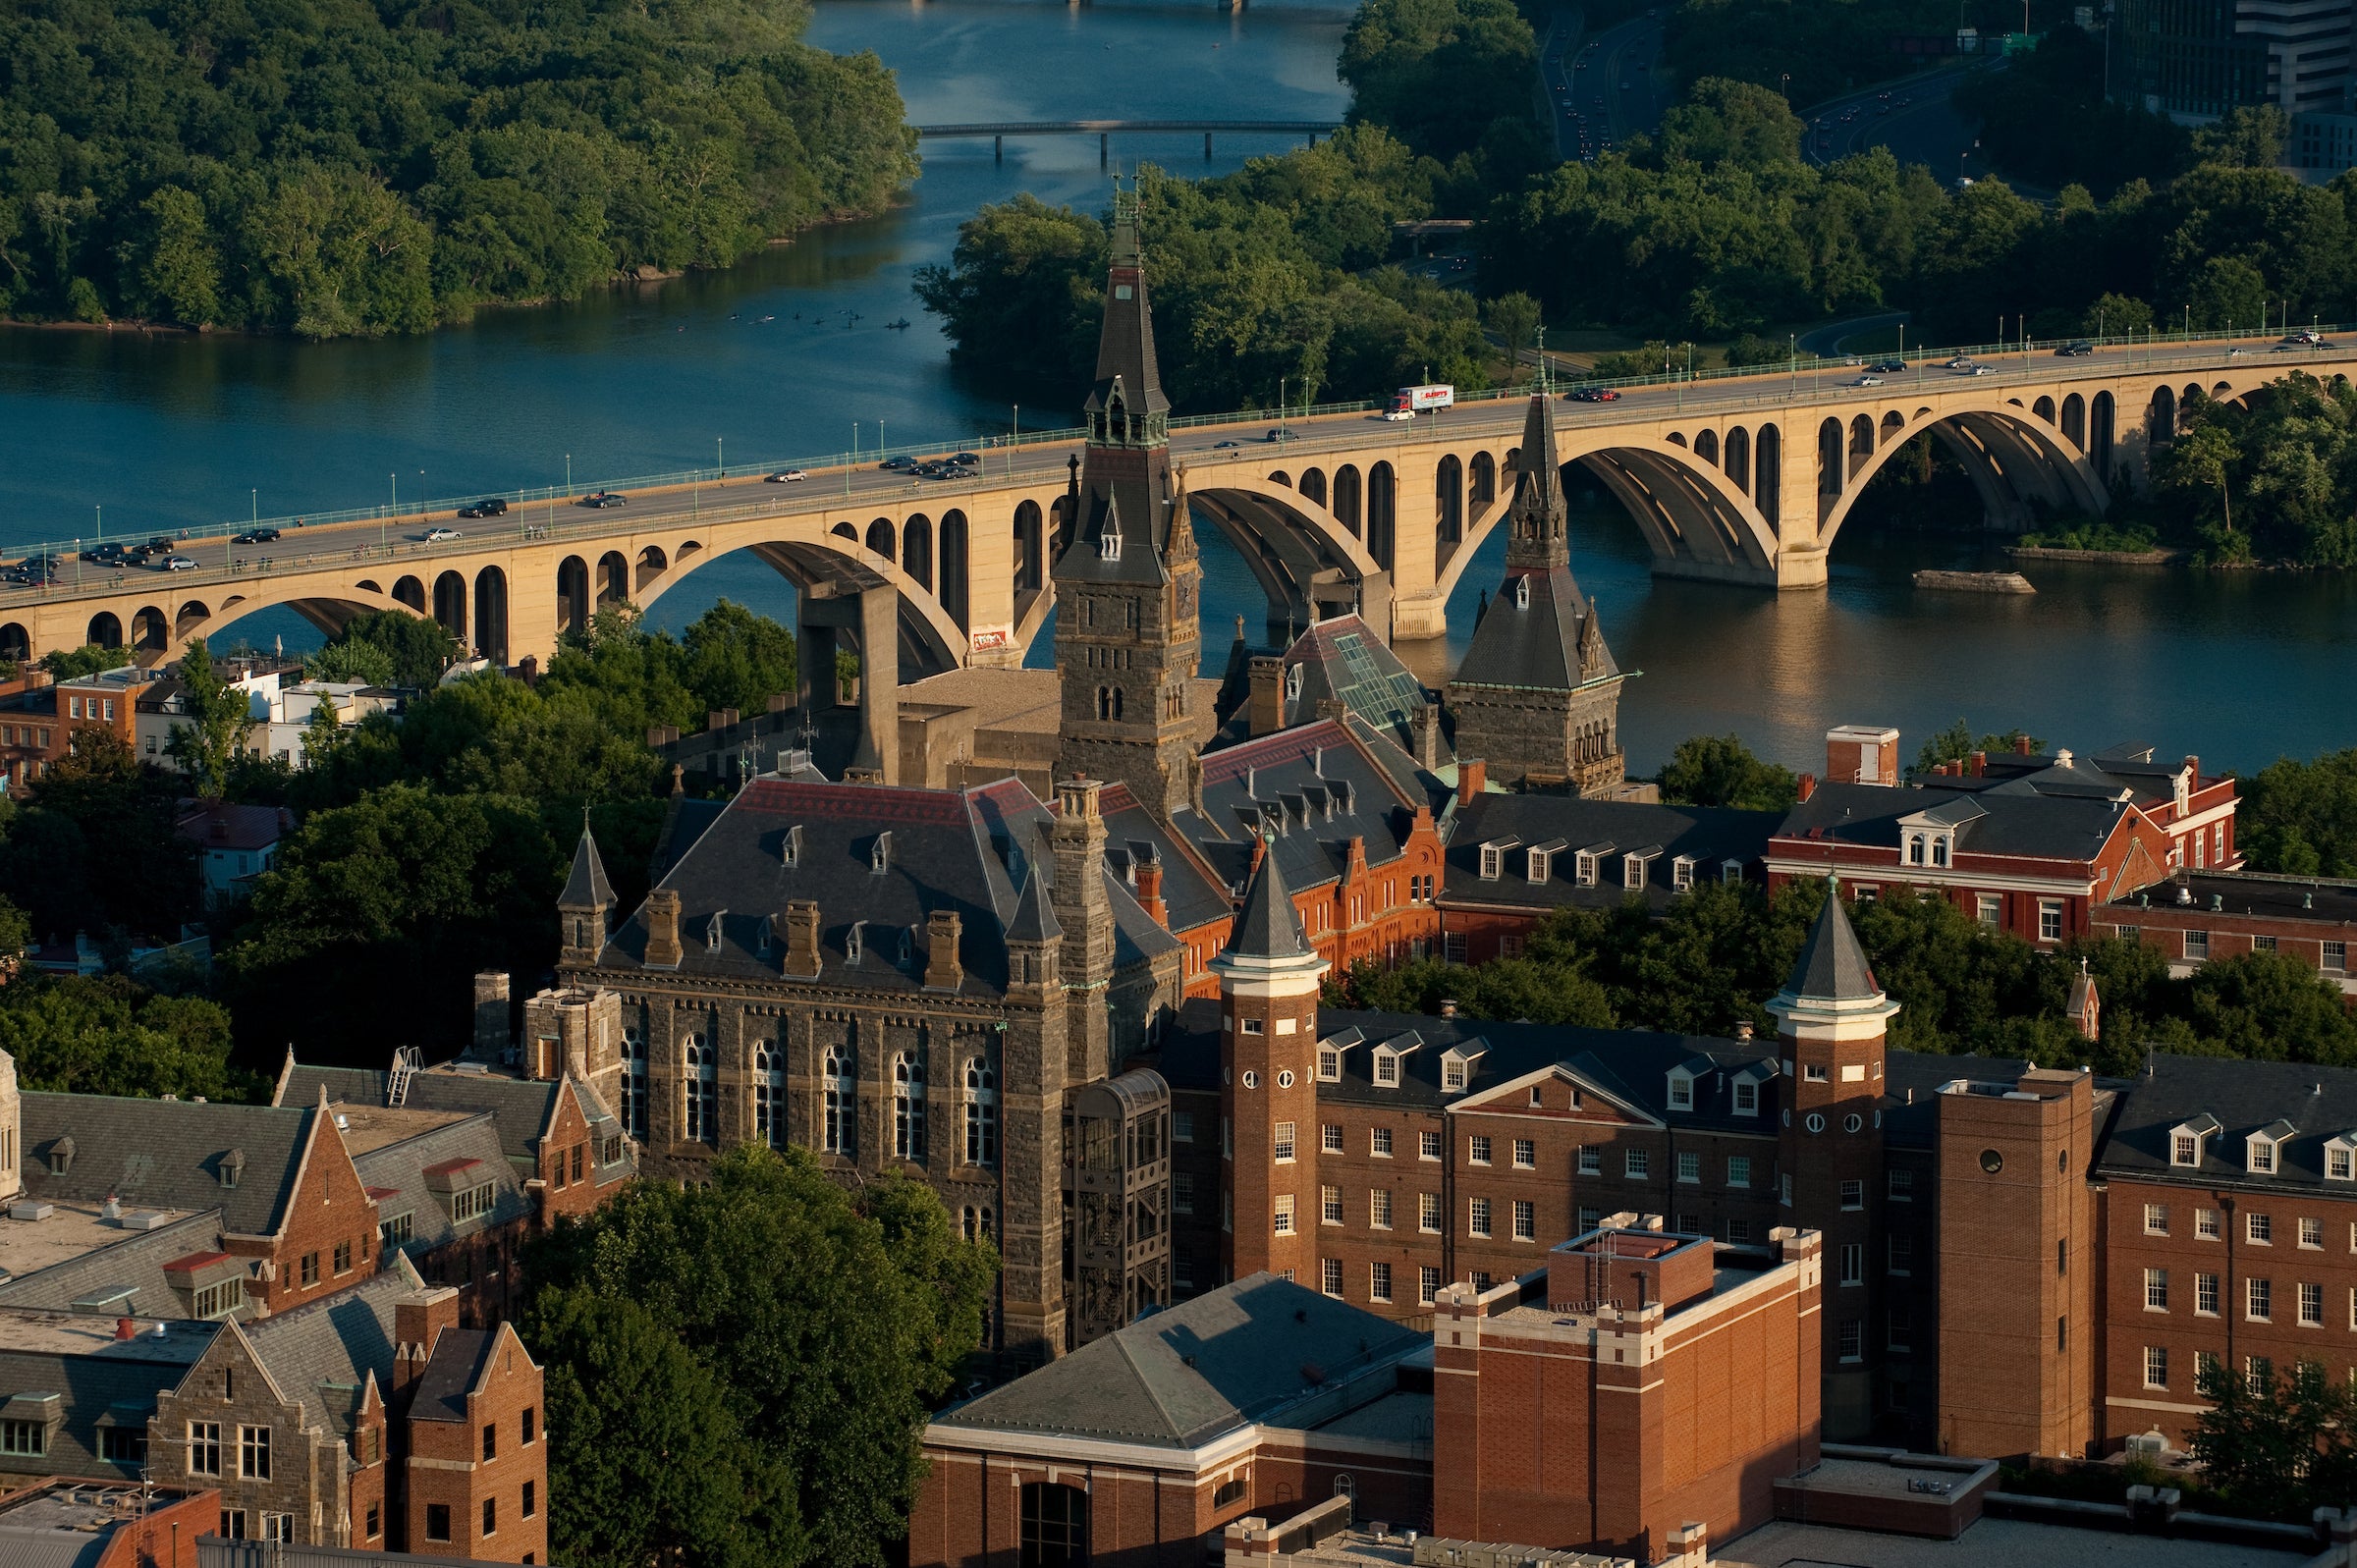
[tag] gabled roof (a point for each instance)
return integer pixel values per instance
(1706, 835)
(1538, 634)
(1832, 967)
(2303, 1107)
(453, 1370)
(1342, 658)
(323, 1353)
(126, 1276)
(397, 1175)
(1269, 927)
(169, 1153)
(1195, 1372)
(2017, 822)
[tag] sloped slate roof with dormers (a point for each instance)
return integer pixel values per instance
(96, 1377)
(323, 1353)
(168, 1153)
(519, 1107)
(585, 885)
(126, 1276)
(395, 1174)
(966, 850)
(2017, 820)
(2319, 1105)
(1183, 1377)
(1710, 835)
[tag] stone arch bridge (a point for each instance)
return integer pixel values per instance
(1746, 481)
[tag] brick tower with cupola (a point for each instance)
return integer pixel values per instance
(1269, 984)
(1832, 1019)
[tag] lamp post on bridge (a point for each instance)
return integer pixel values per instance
(384, 540)
(1014, 440)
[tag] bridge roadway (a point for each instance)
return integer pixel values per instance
(1743, 479)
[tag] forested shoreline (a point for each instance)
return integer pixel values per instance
(361, 170)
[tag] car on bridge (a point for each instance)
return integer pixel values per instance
(104, 555)
(1592, 395)
(256, 536)
(440, 536)
(2074, 351)
(1223, 446)
(601, 500)
(898, 465)
(489, 506)
(1976, 370)
(1867, 380)
(969, 459)
(176, 564)
(788, 476)
(1889, 367)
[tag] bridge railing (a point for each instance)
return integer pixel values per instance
(2007, 358)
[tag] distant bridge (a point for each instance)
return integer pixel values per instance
(1106, 130)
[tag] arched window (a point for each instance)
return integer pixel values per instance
(634, 1082)
(841, 1070)
(769, 1096)
(908, 1106)
(1940, 852)
(699, 1091)
(1916, 849)
(981, 1113)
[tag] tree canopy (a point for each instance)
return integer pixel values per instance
(1722, 771)
(107, 1035)
(810, 1329)
(333, 171)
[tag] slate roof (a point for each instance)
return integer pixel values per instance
(126, 1276)
(1189, 893)
(1269, 927)
(1709, 835)
(2128, 770)
(167, 1153)
(219, 825)
(452, 1372)
(396, 1170)
(2313, 898)
(960, 849)
(1831, 967)
(1126, 490)
(587, 886)
(521, 1108)
(98, 1379)
(1340, 658)
(1184, 1375)
(322, 1353)
(1315, 788)
(2017, 821)
(2320, 1103)
(1540, 630)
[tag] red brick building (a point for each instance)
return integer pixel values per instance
(2196, 916)
(1638, 1384)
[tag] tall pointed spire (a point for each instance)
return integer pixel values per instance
(1539, 522)
(1127, 399)
(586, 888)
(1833, 966)
(1268, 927)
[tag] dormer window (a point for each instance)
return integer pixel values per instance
(231, 1169)
(1681, 872)
(1681, 1092)
(1293, 682)
(2340, 1158)
(2262, 1150)
(855, 940)
(790, 852)
(60, 1155)
(2261, 1157)
(1587, 866)
(879, 854)
(1940, 844)
(1109, 544)
(1493, 857)
(2186, 1138)
(1387, 1067)
(1457, 1067)
(712, 932)
(1916, 848)
(1730, 872)
(1330, 1064)
(1522, 593)
(1747, 1098)
(907, 946)
(1636, 865)
(1541, 862)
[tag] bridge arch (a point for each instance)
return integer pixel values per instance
(1706, 447)
(2161, 418)
(1483, 473)
(1307, 561)
(15, 643)
(149, 631)
(1738, 459)
(1278, 477)
(1030, 538)
(491, 615)
(612, 579)
(1383, 512)
(572, 594)
(450, 603)
(1448, 501)
(2101, 413)
(1313, 485)
(1347, 498)
(2011, 455)
(830, 561)
(652, 565)
(411, 593)
(955, 539)
(916, 549)
(880, 538)
(106, 631)
(188, 616)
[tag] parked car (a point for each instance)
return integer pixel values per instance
(489, 506)
(177, 563)
(2074, 351)
(603, 499)
(788, 476)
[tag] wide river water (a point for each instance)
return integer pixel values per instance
(160, 429)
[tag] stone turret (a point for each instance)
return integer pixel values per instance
(585, 908)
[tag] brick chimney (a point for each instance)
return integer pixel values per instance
(1472, 778)
(1264, 708)
(942, 970)
(662, 950)
(1149, 886)
(802, 938)
(2021, 746)
(1424, 734)
(720, 719)
(1980, 764)
(419, 1319)
(1808, 785)
(2193, 770)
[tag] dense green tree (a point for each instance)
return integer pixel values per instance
(2275, 1442)
(352, 660)
(2248, 136)
(107, 1035)
(418, 649)
(1723, 120)
(89, 659)
(647, 1462)
(1722, 771)
(2300, 818)
(827, 1322)
(1514, 318)
(220, 721)
(1956, 744)
(97, 850)
(1439, 73)
(1019, 296)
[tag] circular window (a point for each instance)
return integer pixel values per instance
(1284, 1079)
(1992, 1162)
(1251, 1079)
(1851, 1123)
(1816, 1122)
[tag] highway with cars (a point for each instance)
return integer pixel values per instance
(1604, 88)
(1916, 118)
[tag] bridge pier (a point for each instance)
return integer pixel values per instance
(869, 620)
(998, 150)
(1104, 148)
(1207, 146)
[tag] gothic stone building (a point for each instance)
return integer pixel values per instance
(898, 979)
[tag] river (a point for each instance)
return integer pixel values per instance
(130, 431)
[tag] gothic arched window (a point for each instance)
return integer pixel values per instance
(840, 1074)
(981, 1113)
(908, 1106)
(769, 1096)
(699, 1091)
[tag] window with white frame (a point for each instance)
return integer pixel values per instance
(2312, 1305)
(2155, 1220)
(1638, 1163)
(1477, 1216)
(1379, 1208)
(2156, 1366)
(1428, 1145)
(1527, 1220)
(2259, 1229)
(2335, 960)
(1477, 1149)
(1379, 1282)
(1591, 1161)
(1329, 1205)
(1853, 1262)
(1428, 1285)
(2262, 1157)
(2205, 1295)
(1378, 1142)
(1428, 1212)
(839, 1075)
(908, 1106)
(981, 1113)
(634, 1081)
(1901, 1253)
(1387, 1067)
(1329, 1138)
(1738, 1170)
(2339, 1165)
(1853, 1193)
(699, 1090)
(2312, 1232)
(1681, 1092)
(1689, 1165)
(1747, 1098)
(2156, 1290)
(2259, 1297)
(1526, 1154)
(1681, 872)
(2050, 920)
(1282, 1143)
(1283, 1213)
(1330, 1064)
(1330, 1276)
(1453, 1074)
(2197, 946)
(2205, 1224)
